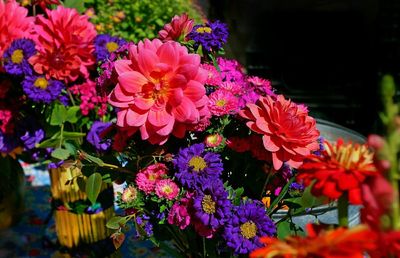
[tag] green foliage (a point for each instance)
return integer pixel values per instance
(138, 19)
(93, 187)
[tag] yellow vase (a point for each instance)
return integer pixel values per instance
(11, 192)
(74, 230)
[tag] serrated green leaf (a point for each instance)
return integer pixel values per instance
(114, 222)
(72, 114)
(93, 186)
(58, 115)
(60, 153)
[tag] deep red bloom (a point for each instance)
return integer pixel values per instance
(179, 27)
(288, 133)
(44, 3)
(341, 168)
(338, 243)
(65, 44)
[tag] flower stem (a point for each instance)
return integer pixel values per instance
(393, 178)
(343, 212)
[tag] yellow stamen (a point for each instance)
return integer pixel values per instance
(198, 163)
(167, 189)
(204, 30)
(208, 204)
(248, 229)
(17, 56)
(220, 103)
(41, 83)
(111, 46)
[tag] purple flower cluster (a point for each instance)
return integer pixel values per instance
(247, 224)
(143, 222)
(31, 138)
(40, 89)
(210, 36)
(17, 55)
(194, 163)
(105, 45)
(94, 136)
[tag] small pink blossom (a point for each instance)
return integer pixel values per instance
(213, 140)
(166, 188)
(213, 76)
(261, 85)
(222, 102)
(179, 216)
(147, 178)
(90, 100)
(129, 194)
(233, 87)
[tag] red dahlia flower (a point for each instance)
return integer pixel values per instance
(180, 26)
(14, 23)
(288, 133)
(160, 90)
(44, 3)
(64, 41)
(342, 168)
(338, 243)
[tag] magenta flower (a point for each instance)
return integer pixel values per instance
(147, 178)
(166, 188)
(223, 103)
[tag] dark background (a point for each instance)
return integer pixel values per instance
(328, 54)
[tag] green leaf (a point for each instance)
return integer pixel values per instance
(77, 4)
(93, 159)
(114, 222)
(58, 115)
(283, 229)
(93, 186)
(48, 143)
(72, 114)
(60, 153)
(70, 147)
(72, 135)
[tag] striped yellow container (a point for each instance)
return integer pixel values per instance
(74, 229)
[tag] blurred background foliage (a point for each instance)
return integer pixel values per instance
(137, 19)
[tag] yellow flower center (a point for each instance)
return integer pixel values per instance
(41, 83)
(17, 56)
(111, 46)
(129, 194)
(213, 139)
(153, 176)
(198, 163)
(220, 103)
(208, 204)
(248, 229)
(167, 189)
(203, 30)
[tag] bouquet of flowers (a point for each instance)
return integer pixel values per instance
(209, 152)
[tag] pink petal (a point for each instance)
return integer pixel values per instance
(195, 90)
(143, 104)
(168, 55)
(184, 110)
(159, 118)
(134, 118)
(175, 99)
(277, 162)
(122, 66)
(167, 129)
(269, 144)
(147, 61)
(132, 81)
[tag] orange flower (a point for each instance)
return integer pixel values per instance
(288, 133)
(338, 243)
(342, 168)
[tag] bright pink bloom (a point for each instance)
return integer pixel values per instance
(14, 23)
(213, 140)
(160, 90)
(166, 188)
(5, 121)
(238, 144)
(233, 87)
(147, 178)
(89, 98)
(261, 85)
(65, 46)
(222, 102)
(179, 216)
(178, 29)
(213, 76)
(288, 133)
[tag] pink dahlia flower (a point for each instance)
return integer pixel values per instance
(166, 188)
(288, 133)
(160, 90)
(178, 29)
(147, 178)
(64, 41)
(14, 23)
(222, 102)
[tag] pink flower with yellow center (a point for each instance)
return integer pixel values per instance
(222, 103)
(129, 194)
(160, 90)
(14, 23)
(147, 178)
(288, 133)
(213, 140)
(166, 188)
(65, 44)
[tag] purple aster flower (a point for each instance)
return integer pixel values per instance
(39, 89)
(17, 55)
(211, 204)
(64, 100)
(143, 222)
(105, 45)
(247, 224)
(94, 136)
(194, 163)
(31, 138)
(210, 36)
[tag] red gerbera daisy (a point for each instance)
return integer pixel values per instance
(342, 168)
